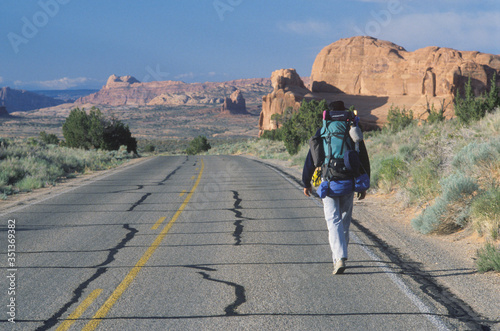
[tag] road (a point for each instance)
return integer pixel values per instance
(197, 243)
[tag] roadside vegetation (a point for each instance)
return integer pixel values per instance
(447, 169)
(92, 142)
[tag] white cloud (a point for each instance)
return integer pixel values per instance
(56, 84)
(309, 27)
(463, 31)
(186, 75)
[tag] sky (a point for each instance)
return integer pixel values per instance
(78, 44)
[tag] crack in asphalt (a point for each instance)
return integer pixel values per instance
(101, 269)
(239, 290)
(139, 187)
(141, 200)
(239, 222)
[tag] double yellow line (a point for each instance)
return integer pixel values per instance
(117, 293)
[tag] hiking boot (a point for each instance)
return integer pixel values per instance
(339, 266)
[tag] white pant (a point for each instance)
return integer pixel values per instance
(338, 215)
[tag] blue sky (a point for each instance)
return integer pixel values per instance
(72, 44)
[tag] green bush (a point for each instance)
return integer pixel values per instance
(389, 173)
(435, 115)
(198, 145)
(470, 108)
(297, 128)
(93, 130)
(49, 138)
(149, 148)
(398, 119)
(488, 258)
(424, 180)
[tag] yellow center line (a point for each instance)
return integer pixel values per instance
(158, 223)
(117, 293)
(79, 310)
(182, 193)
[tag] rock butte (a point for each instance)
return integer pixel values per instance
(373, 74)
(235, 104)
(126, 90)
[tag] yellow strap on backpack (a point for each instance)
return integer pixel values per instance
(316, 179)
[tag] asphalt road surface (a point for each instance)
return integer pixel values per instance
(197, 243)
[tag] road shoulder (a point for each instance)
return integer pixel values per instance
(19, 200)
(448, 260)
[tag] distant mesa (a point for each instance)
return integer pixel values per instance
(117, 81)
(127, 90)
(373, 74)
(21, 100)
(235, 104)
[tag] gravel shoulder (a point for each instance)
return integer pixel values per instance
(448, 260)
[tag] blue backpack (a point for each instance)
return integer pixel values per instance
(334, 151)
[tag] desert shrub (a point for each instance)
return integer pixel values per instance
(398, 119)
(430, 218)
(49, 138)
(435, 115)
(477, 154)
(297, 128)
(198, 145)
(93, 130)
(488, 258)
(24, 167)
(149, 148)
(485, 213)
(471, 108)
(4, 143)
(451, 210)
(492, 97)
(424, 180)
(388, 173)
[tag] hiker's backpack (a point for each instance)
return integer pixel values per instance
(335, 152)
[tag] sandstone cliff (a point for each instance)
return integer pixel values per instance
(21, 100)
(288, 92)
(127, 90)
(235, 104)
(367, 66)
(373, 75)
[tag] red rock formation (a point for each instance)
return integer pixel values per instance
(127, 90)
(288, 92)
(367, 66)
(374, 74)
(235, 104)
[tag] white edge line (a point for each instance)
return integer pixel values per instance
(424, 309)
(98, 177)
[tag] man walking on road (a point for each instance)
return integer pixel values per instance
(337, 207)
